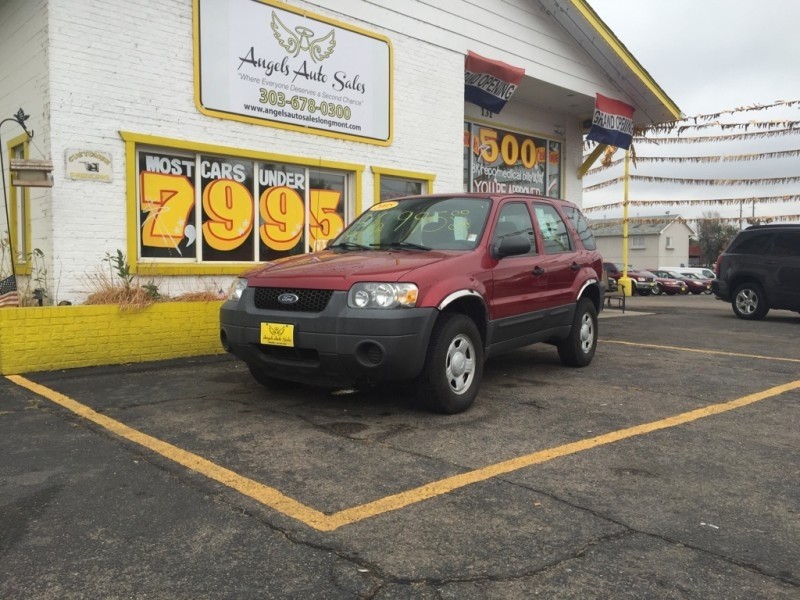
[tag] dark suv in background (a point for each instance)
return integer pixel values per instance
(760, 270)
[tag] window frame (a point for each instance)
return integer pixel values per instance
(134, 142)
(19, 198)
(426, 179)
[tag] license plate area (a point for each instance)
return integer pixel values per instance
(277, 334)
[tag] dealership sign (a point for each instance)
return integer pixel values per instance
(268, 63)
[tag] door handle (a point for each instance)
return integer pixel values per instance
(538, 271)
(574, 266)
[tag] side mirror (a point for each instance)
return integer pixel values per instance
(513, 245)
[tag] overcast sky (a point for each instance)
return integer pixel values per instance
(710, 56)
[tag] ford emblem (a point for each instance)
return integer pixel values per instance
(288, 298)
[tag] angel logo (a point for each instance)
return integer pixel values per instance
(300, 40)
(277, 331)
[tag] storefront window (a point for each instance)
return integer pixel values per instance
(210, 209)
(394, 187)
(496, 160)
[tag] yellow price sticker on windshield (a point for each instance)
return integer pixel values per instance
(384, 205)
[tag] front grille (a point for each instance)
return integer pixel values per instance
(308, 300)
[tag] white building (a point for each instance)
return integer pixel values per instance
(653, 242)
(201, 137)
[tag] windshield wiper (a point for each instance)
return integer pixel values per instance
(408, 246)
(349, 246)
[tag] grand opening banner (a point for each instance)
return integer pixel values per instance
(268, 63)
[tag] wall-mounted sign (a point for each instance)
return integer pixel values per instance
(271, 64)
(89, 165)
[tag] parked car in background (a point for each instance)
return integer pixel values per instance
(696, 286)
(668, 285)
(760, 270)
(423, 289)
(643, 283)
(701, 272)
(705, 280)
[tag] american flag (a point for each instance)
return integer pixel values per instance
(8, 292)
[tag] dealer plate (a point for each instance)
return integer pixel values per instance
(277, 334)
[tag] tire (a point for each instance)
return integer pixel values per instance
(453, 368)
(577, 350)
(749, 301)
(266, 380)
(657, 290)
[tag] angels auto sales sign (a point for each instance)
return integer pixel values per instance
(264, 62)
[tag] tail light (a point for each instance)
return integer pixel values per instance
(717, 265)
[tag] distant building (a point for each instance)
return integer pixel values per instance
(661, 240)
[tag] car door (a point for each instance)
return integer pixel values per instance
(518, 282)
(784, 260)
(561, 256)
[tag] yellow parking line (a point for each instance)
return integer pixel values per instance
(702, 351)
(313, 518)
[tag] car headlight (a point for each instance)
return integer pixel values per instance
(382, 295)
(237, 287)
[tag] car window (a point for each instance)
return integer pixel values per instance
(754, 244)
(581, 225)
(554, 231)
(515, 219)
(787, 243)
(440, 223)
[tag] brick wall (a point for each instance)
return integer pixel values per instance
(63, 337)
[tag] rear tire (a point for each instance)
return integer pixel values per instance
(577, 350)
(749, 301)
(453, 368)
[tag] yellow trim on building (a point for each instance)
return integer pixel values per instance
(427, 178)
(21, 267)
(622, 52)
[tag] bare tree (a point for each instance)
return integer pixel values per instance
(714, 236)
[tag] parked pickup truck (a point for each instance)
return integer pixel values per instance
(643, 283)
(423, 289)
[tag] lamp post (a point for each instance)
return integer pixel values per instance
(20, 119)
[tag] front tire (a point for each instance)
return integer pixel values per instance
(454, 365)
(657, 290)
(749, 302)
(577, 350)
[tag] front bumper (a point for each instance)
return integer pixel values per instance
(338, 346)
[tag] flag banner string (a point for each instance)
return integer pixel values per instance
(690, 181)
(751, 135)
(706, 202)
(701, 159)
(659, 220)
(670, 125)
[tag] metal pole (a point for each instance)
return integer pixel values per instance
(624, 281)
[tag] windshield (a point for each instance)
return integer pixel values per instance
(426, 223)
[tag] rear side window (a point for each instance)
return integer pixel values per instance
(581, 225)
(753, 244)
(787, 243)
(555, 235)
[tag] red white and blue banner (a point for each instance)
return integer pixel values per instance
(612, 123)
(489, 83)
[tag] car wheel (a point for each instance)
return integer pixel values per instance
(577, 350)
(266, 380)
(454, 365)
(749, 302)
(657, 290)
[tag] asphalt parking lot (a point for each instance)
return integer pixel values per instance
(668, 468)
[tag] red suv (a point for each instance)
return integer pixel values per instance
(423, 288)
